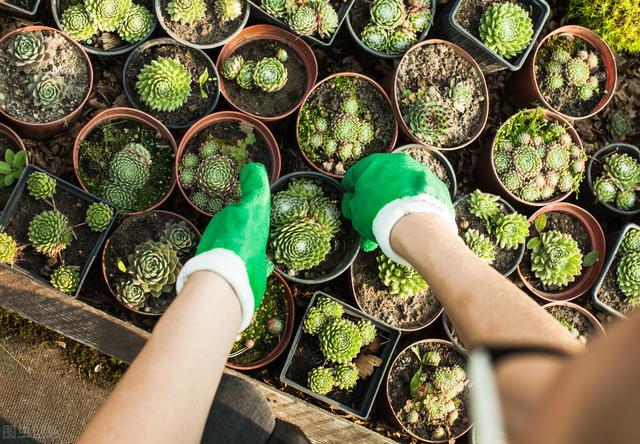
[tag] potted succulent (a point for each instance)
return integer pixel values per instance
(565, 252)
(142, 258)
(212, 153)
(105, 27)
(126, 157)
(435, 161)
(53, 230)
(581, 323)
(388, 28)
(266, 72)
(45, 80)
(572, 72)
(172, 82)
(13, 158)
(617, 290)
(428, 391)
(442, 108)
(498, 34)
(492, 229)
(310, 242)
(345, 117)
(270, 331)
(614, 179)
(339, 355)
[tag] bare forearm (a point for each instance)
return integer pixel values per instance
(166, 394)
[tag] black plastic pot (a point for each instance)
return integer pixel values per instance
(486, 58)
(382, 55)
(633, 151)
(17, 11)
(16, 198)
(451, 174)
(354, 238)
(342, 15)
(373, 382)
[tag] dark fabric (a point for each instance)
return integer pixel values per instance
(286, 433)
(499, 353)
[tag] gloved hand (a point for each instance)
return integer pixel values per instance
(382, 188)
(234, 243)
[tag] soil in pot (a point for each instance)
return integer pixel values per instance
(196, 63)
(375, 299)
(61, 77)
(343, 120)
(570, 74)
(129, 242)
(13, 166)
(614, 182)
(574, 321)
(268, 104)
(101, 153)
(436, 75)
(432, 162)
(450, 366)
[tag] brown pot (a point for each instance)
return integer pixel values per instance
(12, 136)
(487, 175)
(269, 32)
(585, 281)
(525, 88)
(597, 326)
(106, 247)
(43, 131)
(393, 88)
(261, 128)
(286, 337)
(128, 114)
(343, 74)
(389, 406)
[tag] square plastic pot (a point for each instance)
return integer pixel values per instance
(363, 409)
(17, 11)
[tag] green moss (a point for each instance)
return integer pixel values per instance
(528, 121)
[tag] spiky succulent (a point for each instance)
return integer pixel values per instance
(401, 280)
(506, 28)
(428, 121)
(178, 235)
(484, 205)
(244, 78)
(46, 89)
(303, 20)
(186, 11)
(326, 212)
(329, 307)
(626, 200)
(131, 294)
(623, 168)
(556, 258)
(375, 37)
(511, 230)
(230, 67)
(320, 380)
(527, 161)
(301, 245)
(164, 84)
(269, 74)
(29, 50)
(340, 340)
(41, 185)
(136, 25)
(480, 244)
(8, 249)
(287, 207)
(154, 267)
(65, 279)
(227, 10)
(628, 274)
(631, 242)
(367, 330)
(577, 72)
(120, 197)
(345, 376)
(275, 8)
(400, 40)
(327, 18)
(130, 167)
(50, 232)
(388, 14)
(217, 175)
(107, 14)
(77, 24)
(99, 216)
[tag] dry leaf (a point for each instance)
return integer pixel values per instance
(366, 364)
(61, 344)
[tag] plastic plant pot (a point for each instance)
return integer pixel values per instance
(43, 131)
(15, 10)
(451, 175)
(390, 337)
(353, 239)
(487, 59)
(525, 87)
(447, 325)
(124, 114)
(284, 340)
(597, 326)
(613, 252)
(382, 55)
(594, 164)
(395, 95)
(585, 281)
(228, 116)
(20, 191)
(269, 32)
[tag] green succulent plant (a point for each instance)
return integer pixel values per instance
(303, 20)
(375, 37)
(527, 162)
(244, 78)
(130, 167)
(231, 66)
(313, 321)
(402, 280)
(345, 376)
(557, 158)
(186, 11)
(327, 18)
(388, 14)
(329, 307)
(605, 189)
(179, 236)
(29, 50)
(511, 230)
(484, 205)
(50, 232)
(77, 24)
(626, 200)
(275, 8)
(164, 84)
(506, 29)
(400, 40)
(556, 258)
(269, 74)
(282, 55)
(217, 175)
(41, 185)
(65, 279)
(301, 245)
(428, 121)
(326, 212)
(480, 244)
(577, 72)
(628, 275)
(623, 168)
(619, 124)
(131, 294)
(107, 14)
(227, 10)
(137, 23)
(631, 242)
(119, 197)
(320, 380)
(8, 249)
(418, 18)
(154, 267)
(367, 330)
(46, 89)
(340, 340)
(12, 166)
(99, 216)
(286, 207)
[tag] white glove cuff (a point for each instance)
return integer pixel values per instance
(393, 211)
(232, 268)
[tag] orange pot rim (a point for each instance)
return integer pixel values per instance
(583, 311)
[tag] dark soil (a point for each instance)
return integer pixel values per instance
(134, 231)
(5, 192)
(432, 162)
(67, 61)
(597, 168)
(399, 379)
(269, 104)
(567, 315)
(374, 298)
(207, 30)
(440, 66)
(195, 62)
(609, 293)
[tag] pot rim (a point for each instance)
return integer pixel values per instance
(583, 311)
(451, 174)
(14, 137)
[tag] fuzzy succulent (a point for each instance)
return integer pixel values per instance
(65, 279)
(99, 216)
(131, 294)
(340, 340)
(41, 185)
(186, 11)
(178, 235)
(120, 197)
(77, 24)
(375, 37)
(511, 230)
(556, 258)
(231, 66)
(484, 205)
(303, 20)
(137, 23)
(428, 121)
(154, 267)
(8, 249)
(506, 29)
(46, 89)
(107, 14)
(164, 84)
(388, 14)
(480, 244)
(628, 274)
(320, 380)
(269, 74)
(631, 242)
(227, 10)
(345, 376)
(29, 50)
(327, 18)
(401, 280)
(129, 168)
(367, 330)
(50, 232)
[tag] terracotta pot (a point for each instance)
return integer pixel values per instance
(343, 74)
(207, 121)
(12, 136)
(395, 96)
(269, 32)
(43, 131)
(487, 175)
(451, 174)
(589, 276)
(525, 87)
(389, 405)
(286, 337)
(106, 247)
(597, 326)
(127, 114)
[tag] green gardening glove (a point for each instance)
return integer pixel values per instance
(382, 188)
(234, 244)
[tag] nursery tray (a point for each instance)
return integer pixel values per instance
(374, 381)
(16, 10)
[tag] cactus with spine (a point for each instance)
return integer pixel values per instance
(50, 232)
(99, 216)
(164, 84)
(154, 267)
(481, 245)
(321, 380)
(618, 182)
(107, 15)
(186, 11)
(506, 29)
(402, 280)
(8, 249)
(65, 279)
(137, 23)
(29, 51)
(573, 68)
(46, 89)
(556, 258)
(41, 185)
(77, 23)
